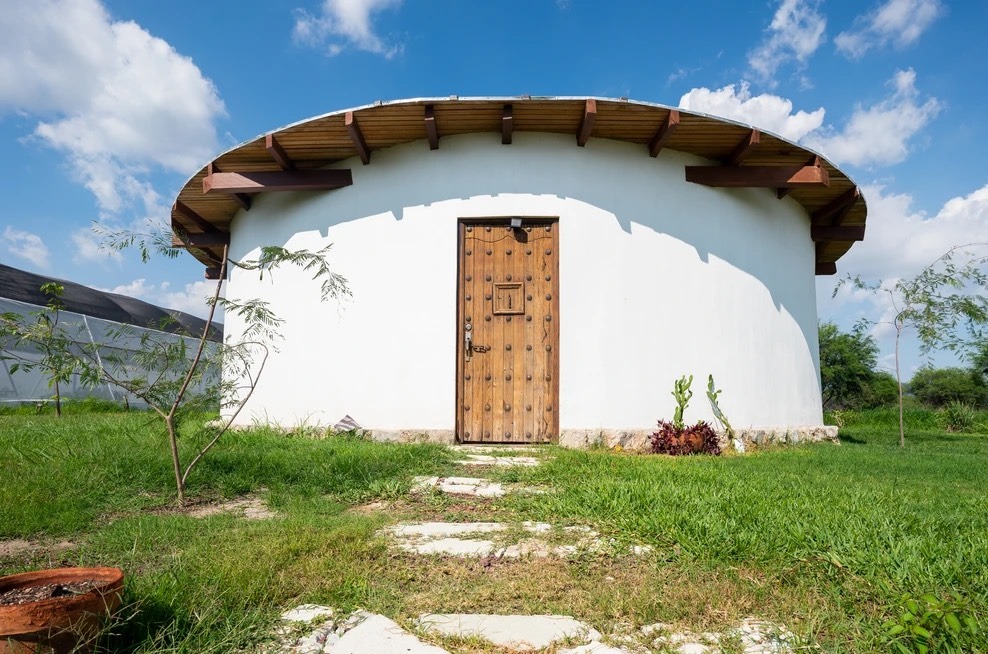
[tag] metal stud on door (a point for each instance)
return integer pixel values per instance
(508, 331)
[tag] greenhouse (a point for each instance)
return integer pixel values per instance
(86, 316)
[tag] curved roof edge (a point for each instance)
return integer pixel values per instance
(289, 158)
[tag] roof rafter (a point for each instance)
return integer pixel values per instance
(242, 199)
(826, 268)
(353, 129)
(278, 153)
(204, 240)
(757, 176)
(842, 233)
(277, 180)
(668, 128)
(838, 207)
(586, 124)
(507, 124)
(744, 148)
(431, 130)
(783, 192)
(189, 214)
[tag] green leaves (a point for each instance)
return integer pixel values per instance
(928, 623)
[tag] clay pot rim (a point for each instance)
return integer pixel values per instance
(109, 580)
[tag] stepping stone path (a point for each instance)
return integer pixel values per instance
(312, 629)
(479, 539)
(517, 632)
(471, 486)
(370, 633)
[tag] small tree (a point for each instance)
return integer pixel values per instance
(40, 331)
(946, 303)
(177, 374)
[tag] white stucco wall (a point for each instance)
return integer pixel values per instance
(658, 278)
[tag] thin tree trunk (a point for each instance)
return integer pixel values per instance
(58, 400)
(176, 463)
(898, 379)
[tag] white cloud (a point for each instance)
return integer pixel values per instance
(899, 243)
(89, 248)
(880, 133)
(117, 100)
(899, 22)
(796, 31)
(26, 246)
(765, 111)
(192, 298)
(342, 23)
(901, 240)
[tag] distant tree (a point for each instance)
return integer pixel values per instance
(979, 363)
(847, 362)
(882, 390)
(938, 387)
(946, 303)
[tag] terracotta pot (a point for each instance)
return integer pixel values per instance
(61, 624)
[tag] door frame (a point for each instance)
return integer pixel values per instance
(502, 221)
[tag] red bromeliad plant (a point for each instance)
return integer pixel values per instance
(691, 439)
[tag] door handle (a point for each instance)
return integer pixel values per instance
(468, 340)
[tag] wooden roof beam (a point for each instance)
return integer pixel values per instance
(215, 273)
(843, 233)
(242, 199)
(353, 129)
(838, 208)
(431, 131)
(586, 125)
(507, 124)
(278, 180)
(783, 192)
(757, 176)
(668, 128)
(278, 153)
(201, 240)
(826, 268)
(744, 148)
(189, 214)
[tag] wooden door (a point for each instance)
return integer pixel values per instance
(507, 360)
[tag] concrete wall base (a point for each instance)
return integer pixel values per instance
(634, 440)
(637, 440)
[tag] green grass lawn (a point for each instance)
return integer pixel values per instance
(823, 538)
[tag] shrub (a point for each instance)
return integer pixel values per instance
(692, 439)
(957, 417)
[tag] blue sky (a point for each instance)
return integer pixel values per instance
(107, 107)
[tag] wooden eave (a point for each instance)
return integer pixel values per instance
(325, 140)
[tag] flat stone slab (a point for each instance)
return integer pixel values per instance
(379, 635)
(307, 613)
(488, 460)
(523, 632)
(470, 486)
(756, 636)
(598, 648)
(467, 539)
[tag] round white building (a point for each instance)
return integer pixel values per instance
(531, 269)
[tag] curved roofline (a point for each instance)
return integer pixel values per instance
(287, 158)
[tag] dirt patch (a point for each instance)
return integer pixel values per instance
(250, 507)
(17, 547)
